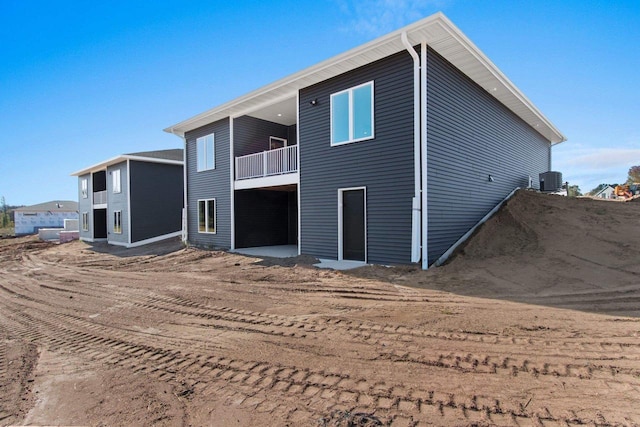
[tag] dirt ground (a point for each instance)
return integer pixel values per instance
(535, 322)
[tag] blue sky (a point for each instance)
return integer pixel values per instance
(81, 82)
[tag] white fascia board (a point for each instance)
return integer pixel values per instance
(436, 30)
(119, 159)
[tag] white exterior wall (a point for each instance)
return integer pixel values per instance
(29, 222)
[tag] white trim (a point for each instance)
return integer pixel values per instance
(185, 224)
(423, 148)
(119, 159)
(267, 181)
(206, 215)
(436, 30)
(276, 138)
(340, 222)
(350, 91)
(468, 234)
(129, 225)
(299, 171)
(232, 163)
(147, 241)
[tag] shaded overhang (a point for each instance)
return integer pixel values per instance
(437, 31)
(123, 158)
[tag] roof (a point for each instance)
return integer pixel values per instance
(52, 206)
(436, 30)
(172, 157)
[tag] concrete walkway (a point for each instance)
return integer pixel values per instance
(289, 251)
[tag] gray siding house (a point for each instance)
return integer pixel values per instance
(132, 199)
(387, 153)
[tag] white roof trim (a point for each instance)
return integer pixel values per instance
(436, 30)
(119, 159)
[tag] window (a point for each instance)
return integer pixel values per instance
(207, 216)
(206, 153)
(115, 176)
(275, 143)
(84, 188)
(85, 221)
(352, 114)
(117, 222)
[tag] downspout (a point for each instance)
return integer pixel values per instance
(423, 133)
(185, 222)
(415, 212)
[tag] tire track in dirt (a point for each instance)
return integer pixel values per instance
(289, 382)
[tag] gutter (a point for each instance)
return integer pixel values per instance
(416, 210)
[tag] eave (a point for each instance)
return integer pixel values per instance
(437, 31)
(119, 159)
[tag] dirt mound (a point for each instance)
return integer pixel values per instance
(544, 249)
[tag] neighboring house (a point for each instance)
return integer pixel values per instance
(30, 219)
(387, 153)
(607, 192)
(132, 199)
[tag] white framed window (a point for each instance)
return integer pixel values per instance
(84, 188)
(115, 176)
(85, 221)
(207, 216)
(352, 114)
(117, 222)
(275, 143)
(206, 152)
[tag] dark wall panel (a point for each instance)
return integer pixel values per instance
(156, 199)
(251, 135)
(471, 135)
(384, 165)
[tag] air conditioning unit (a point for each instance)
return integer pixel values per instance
(551, 181)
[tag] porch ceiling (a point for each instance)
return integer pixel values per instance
(436, 30)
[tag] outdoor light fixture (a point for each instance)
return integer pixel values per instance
(314, 102)
(491, 178)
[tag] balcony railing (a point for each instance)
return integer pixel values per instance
(100, 197)
(273, 162)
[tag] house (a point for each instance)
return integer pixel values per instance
(368, 155)
(607, 192)
(132, 199)
(30, 219)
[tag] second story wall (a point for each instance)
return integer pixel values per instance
(384, 164)
(84, 206)
(210, 184)
(251, 135)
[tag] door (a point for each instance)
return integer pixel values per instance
(354, 226)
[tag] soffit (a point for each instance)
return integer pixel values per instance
(436, 30)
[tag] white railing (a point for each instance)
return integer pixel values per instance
(100, 197)
(272, 162)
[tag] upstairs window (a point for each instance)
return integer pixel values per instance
(115, 175)
(84, 188)
(206, 153)
(352, 114)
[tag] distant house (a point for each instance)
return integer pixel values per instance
(132, 199)
(29, 219)
(608, 192)
(366, 156)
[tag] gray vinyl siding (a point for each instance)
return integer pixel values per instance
(251, 135)
(118, 202)
(471, 135)
(384, 165)
(210, 184)
(85, 205)
(156, 199)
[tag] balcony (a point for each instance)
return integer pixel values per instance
(100, 197)
(280, 161)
